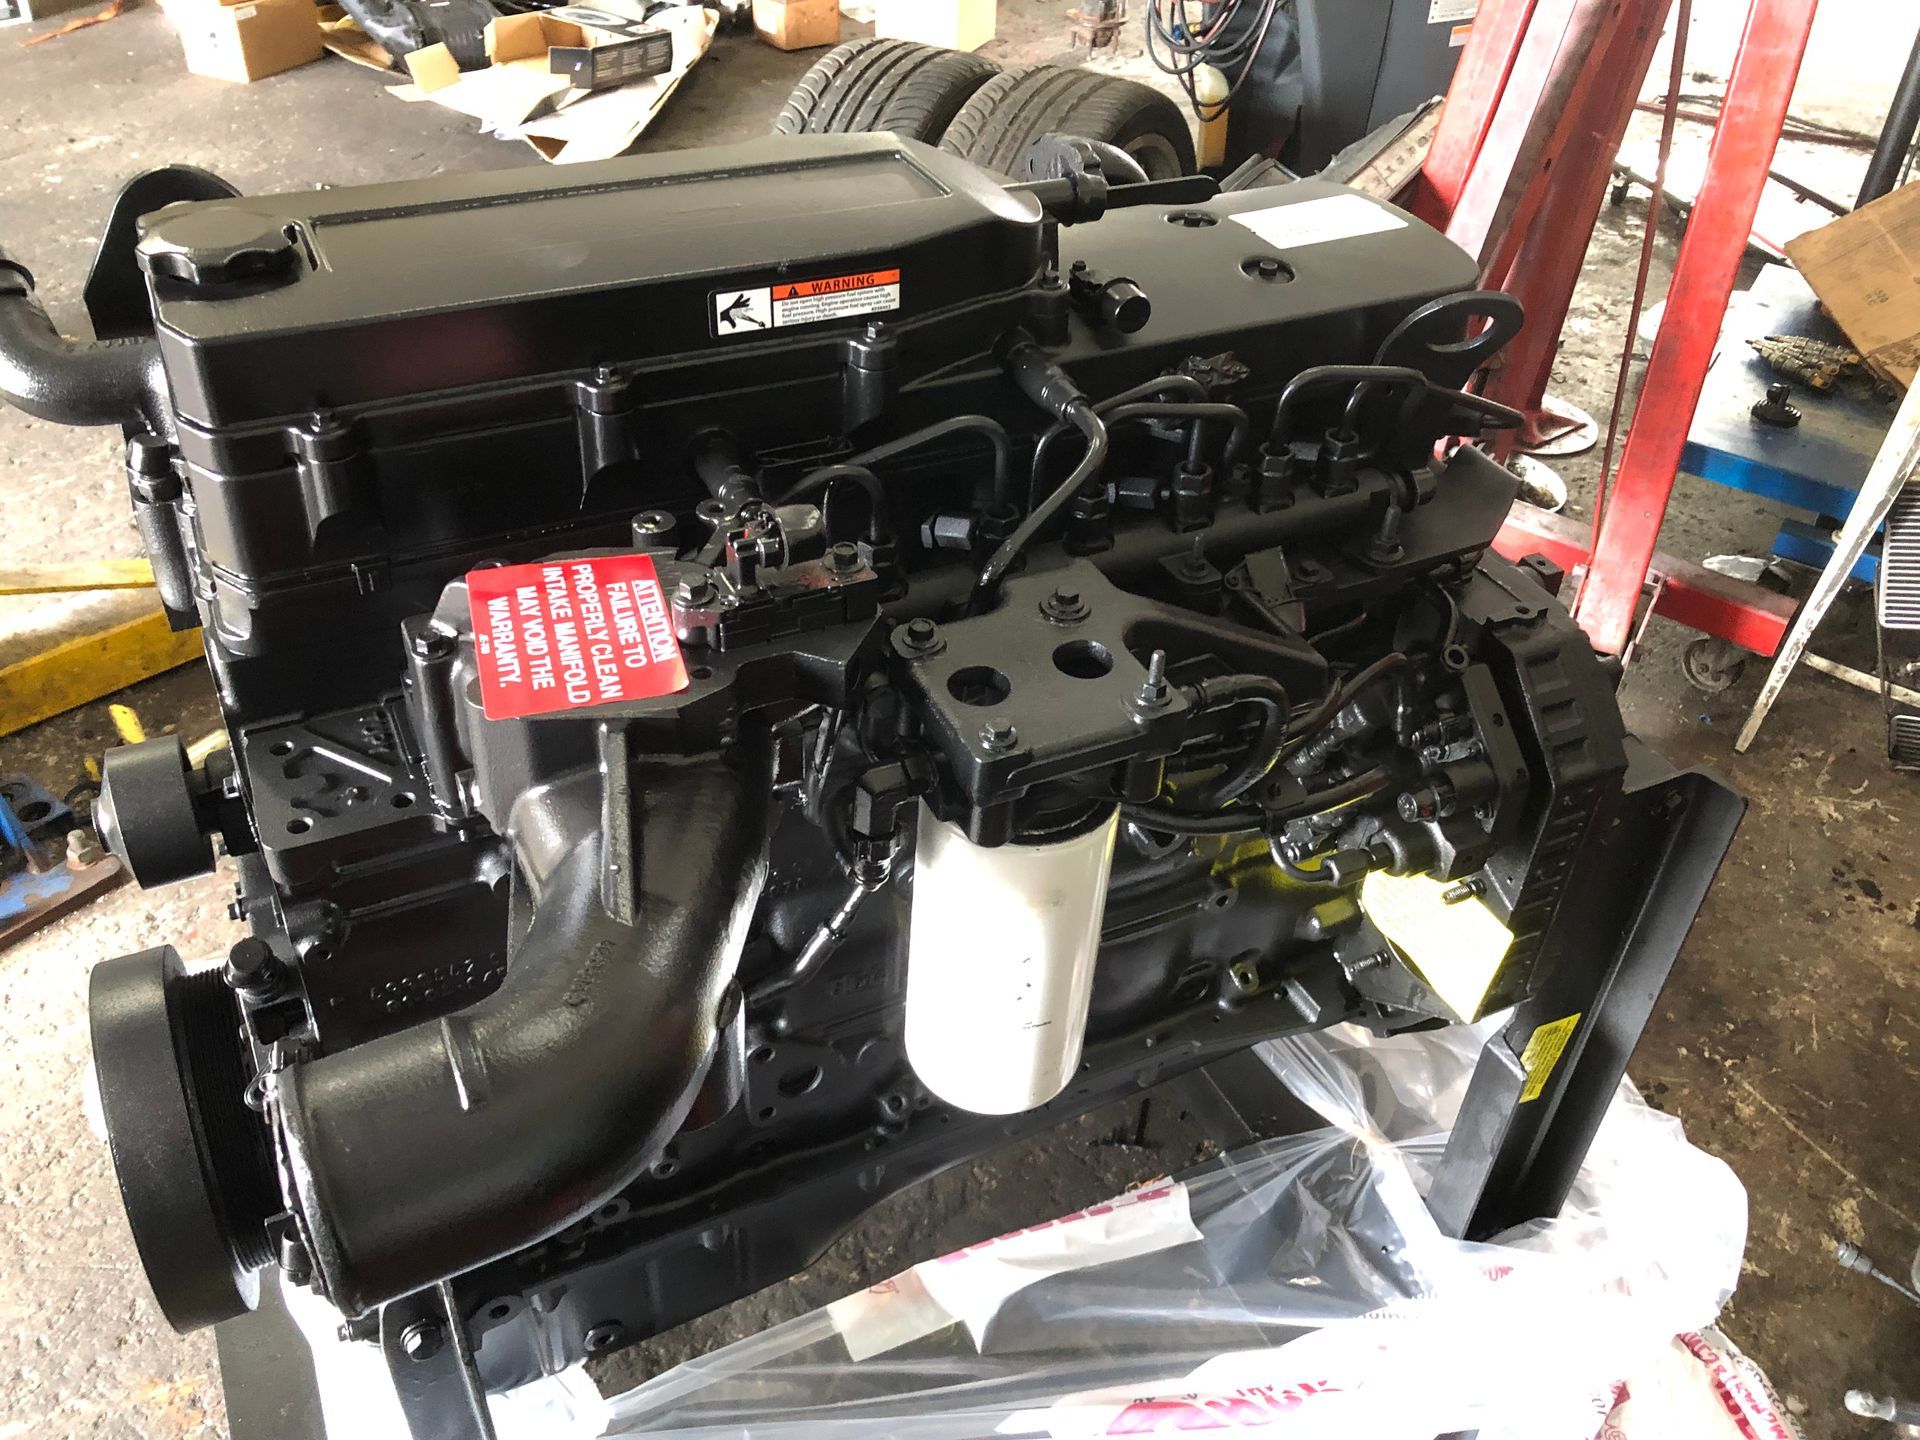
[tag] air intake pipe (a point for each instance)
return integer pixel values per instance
(423, 1154)
(98, 382)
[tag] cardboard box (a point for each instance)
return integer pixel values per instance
(797, 24)
(248, 41)
(520, 96)
(956, 24)
(1865, 267)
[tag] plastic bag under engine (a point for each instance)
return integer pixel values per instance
(1296, 1287)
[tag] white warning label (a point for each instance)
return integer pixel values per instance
(805, 302)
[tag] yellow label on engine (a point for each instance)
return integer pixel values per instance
(1457, 949)
(1544, 1048)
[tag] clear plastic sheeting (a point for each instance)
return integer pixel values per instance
(1297, 1285)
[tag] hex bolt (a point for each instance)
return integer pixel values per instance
(1154, 692)
(422, 1340)
(1429, 802)
(1065, 603)
(921, 633)
(692, 594)
(1384, 545)
(432, 645)
(842, 556)
(83, 847)
(1467, 889)
(252, 968)
(999, 733)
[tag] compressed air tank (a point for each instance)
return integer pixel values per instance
(1000, 962)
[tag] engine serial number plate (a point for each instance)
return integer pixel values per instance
(566, 634)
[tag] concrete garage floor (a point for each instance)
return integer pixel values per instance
(1787, 1041)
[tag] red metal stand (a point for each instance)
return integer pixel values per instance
(1743, 144)
(1517, 173)
(1548, 257)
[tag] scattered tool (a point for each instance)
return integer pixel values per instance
(1816, 364)
(50, 859)
(1903, 1413)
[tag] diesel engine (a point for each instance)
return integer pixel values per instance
(757, 674)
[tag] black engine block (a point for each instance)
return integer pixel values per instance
(759, 674)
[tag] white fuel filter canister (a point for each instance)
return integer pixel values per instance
(1000, 963)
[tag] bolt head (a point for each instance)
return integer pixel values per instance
(999, 733)
(422, 1340)
(922, 632)
(432, 645)
(251, 965)
(843, 555)
(83, 847)
(692, 594)
(1065, 603)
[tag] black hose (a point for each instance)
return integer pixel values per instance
(878, 525)
(1145, 390)
(1363, 786)
(1179, 822)
(1271, 696)
(1321, 377)
(1081, 415)
(1294, 872)
(1236, 418)
(1340, 695)
(1248, 819)
(70, 382)
(987, 428)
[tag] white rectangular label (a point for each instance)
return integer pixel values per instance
(805, 302)
(1445, 12)
(1314, 222)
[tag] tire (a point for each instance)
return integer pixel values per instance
(1012, 110)
(910, 89)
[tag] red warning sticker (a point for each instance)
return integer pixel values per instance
(565, 634)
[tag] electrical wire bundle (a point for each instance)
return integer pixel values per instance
(1180, 45)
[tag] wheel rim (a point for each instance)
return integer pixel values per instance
(1156, 156)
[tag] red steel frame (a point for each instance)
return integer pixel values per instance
(1546, 265)
(1758, 92)
(1518, 165)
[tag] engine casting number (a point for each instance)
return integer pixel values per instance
(805, 302)
(565, 634)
